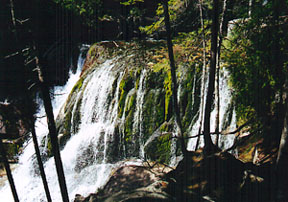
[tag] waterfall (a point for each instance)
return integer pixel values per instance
(138, 116)
(225, 122)
(99, 140)
(83, 144)
(122, 121)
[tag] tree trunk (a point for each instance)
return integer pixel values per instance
(282, 158)
(32, 126)
(217, 98)
(221, 33)
(203, 79)
(173, 75)
(52, 132)
(12, 13)
(38, 156)
(8, 171)
(209, 147)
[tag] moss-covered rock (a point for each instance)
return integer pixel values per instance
(129, 60)
(159, 147)
(126, 84)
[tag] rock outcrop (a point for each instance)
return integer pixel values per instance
(133, 183)
(219, 177)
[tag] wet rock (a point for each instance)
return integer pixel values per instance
(133, 183)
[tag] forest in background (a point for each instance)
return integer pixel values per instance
(251, 41)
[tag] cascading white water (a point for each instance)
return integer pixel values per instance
(86, 156)
(28, 183)
(225, 99)
(138, 116)
(122, 122)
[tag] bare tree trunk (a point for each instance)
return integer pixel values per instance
(39, 160)
(173, 75)
(12, 13)
(8, 171)
(282, 158)
(217, 97)
(52, 132)
(203, 80)
(211, 85)
(32, 126)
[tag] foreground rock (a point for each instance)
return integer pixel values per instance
(219, 177)
(133, 183)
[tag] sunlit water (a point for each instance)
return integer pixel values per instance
(225, 124)
(85, 157)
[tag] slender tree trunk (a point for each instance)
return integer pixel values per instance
(38, 156)
(282, 158)
(203, 79)
(37, 151)
(211, 85)
(173, 75)
(32, 126)
(12, 13)
(217, 98)
(8, 171)
(52, 133)
(221, 32)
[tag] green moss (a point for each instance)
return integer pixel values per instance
(78, 85)
(76, 117)
(129, 126)
(164, 148)
(189, 102)
(137, 83)
(160, 148)
(76, 88)
(126, 84)
(168, 95)
(63, 130)
(153, 111)
(131, 102)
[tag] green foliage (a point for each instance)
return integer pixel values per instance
(184, 17)
(188, 47)
(130, 2)
(256, 53)
(174, 6)
(87, 9)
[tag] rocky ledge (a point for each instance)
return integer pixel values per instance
(219, 177)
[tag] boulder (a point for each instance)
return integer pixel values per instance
(133, 183)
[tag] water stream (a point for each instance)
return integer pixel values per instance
(225, 122)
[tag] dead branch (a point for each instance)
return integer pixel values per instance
(12, 55)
